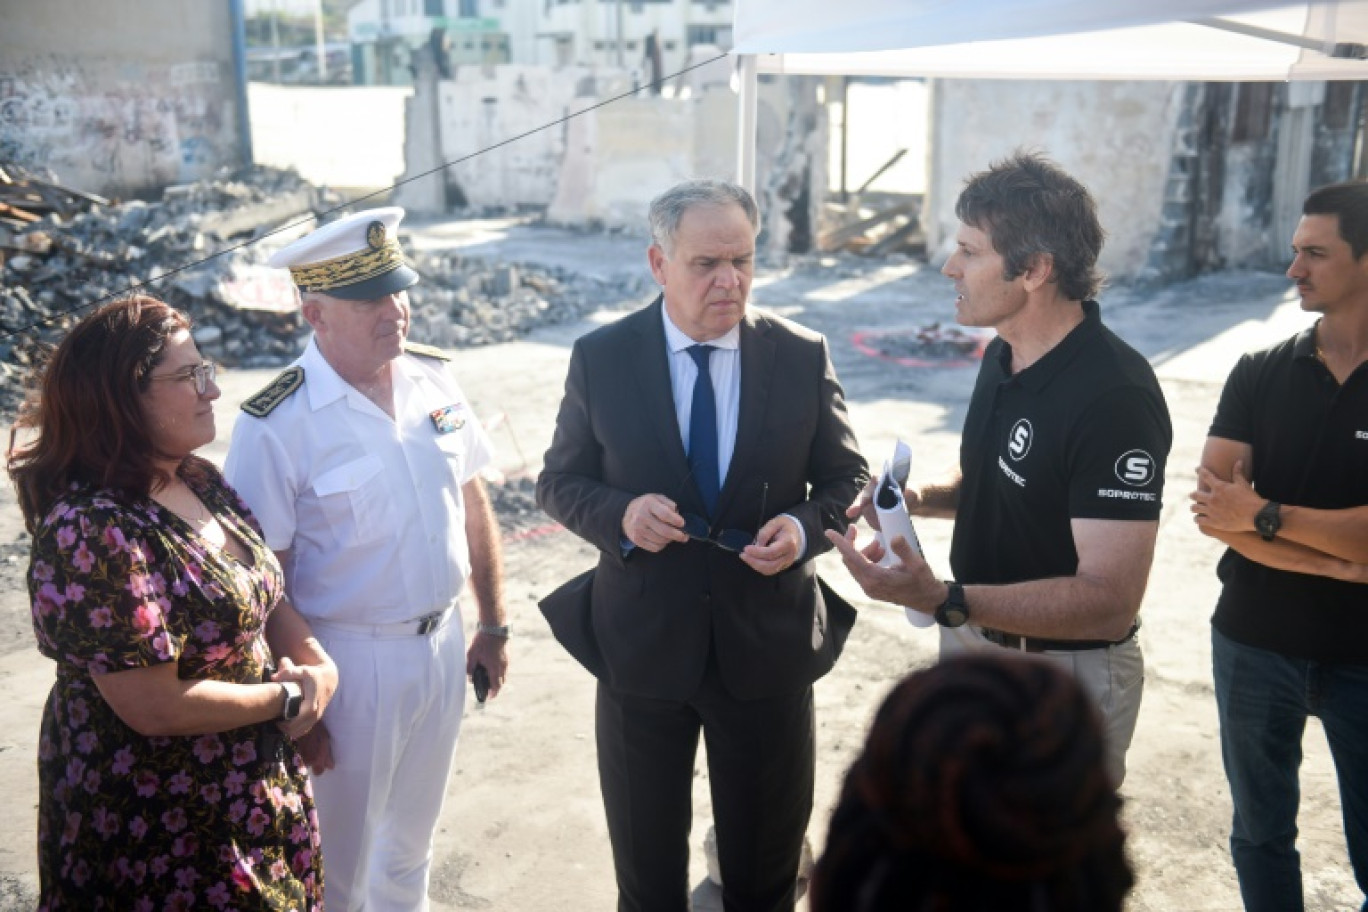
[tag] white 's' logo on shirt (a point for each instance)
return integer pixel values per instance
(1019, 440)
(1135, 468)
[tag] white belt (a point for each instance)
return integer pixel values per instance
(420, 626)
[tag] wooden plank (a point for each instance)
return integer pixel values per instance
(839, 237)
(79, 194)
(15, 212)
(895, 239)
(897, 157)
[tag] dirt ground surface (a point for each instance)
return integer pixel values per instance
(522, 828)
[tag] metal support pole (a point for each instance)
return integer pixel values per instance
(845, 136)
(745, 134)
(318, 41)
(275, 42)
(244, 119)
(620, 42)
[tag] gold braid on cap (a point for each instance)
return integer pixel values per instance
(349, 268)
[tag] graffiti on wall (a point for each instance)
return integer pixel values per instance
(117, 126)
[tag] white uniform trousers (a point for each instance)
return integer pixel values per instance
(1114, 676)
(394, 722)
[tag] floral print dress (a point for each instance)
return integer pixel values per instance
(216, 821)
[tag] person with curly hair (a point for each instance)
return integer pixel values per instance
(982, 787)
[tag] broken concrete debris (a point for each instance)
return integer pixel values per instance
(82, 249)
(464, 301)
(203, 248)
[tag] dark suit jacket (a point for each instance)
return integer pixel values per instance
(644, 623)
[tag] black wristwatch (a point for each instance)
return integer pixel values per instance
(953, 612)
(294, 700)
(1268, 520)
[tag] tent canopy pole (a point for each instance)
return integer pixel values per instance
(745, 134)
(1346, 50)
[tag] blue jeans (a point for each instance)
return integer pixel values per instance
(1263, 700)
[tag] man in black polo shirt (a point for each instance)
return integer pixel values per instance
(1290, 633)
(1057, 498)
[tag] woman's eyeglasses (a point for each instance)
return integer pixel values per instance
(202, 374)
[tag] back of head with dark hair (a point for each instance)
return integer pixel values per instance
(86, 407)
(1349, 201)
(1030, 207)
(981, 788)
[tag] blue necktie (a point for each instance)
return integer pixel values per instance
(703, 429)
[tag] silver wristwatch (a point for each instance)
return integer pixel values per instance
(494, 630)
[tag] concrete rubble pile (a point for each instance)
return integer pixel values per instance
(515, 504)
(464, 301)
(57, 262)
(55, 268)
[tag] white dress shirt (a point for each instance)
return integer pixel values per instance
(724, 366)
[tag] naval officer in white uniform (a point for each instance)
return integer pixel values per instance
(360, 463)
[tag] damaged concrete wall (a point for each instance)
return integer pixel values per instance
(484, 106)
(601, 167)
(1115, 137)
(118, 96)
(792, 159)
(1266, 145)
(620, 156)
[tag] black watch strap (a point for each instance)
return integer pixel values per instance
(1268, 520)
(953, 612)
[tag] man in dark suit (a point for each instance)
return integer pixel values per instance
(707, 492)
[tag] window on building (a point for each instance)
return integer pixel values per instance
(719, 35)
(469, 9)
(669, 45)
(433, 8)
(1253, 112)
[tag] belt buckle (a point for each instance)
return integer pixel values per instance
(428, 623)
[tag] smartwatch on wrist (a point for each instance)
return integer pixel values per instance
(953, 612)
(294, 700)
(1268, 520)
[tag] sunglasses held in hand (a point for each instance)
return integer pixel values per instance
(733, 540)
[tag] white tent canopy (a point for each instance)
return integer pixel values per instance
(1062, 40)
(1046, 39)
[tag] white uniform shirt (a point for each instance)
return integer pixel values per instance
(370, 507)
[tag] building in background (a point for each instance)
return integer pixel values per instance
(622, 33)
(646, 37)
(88, 91)
(384, 35)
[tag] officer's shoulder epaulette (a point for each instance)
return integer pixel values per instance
(426, 351)
(263, 402)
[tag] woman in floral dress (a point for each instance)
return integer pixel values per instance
(168, 775)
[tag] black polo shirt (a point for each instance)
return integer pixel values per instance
(1083, 433)
(1310, 441)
